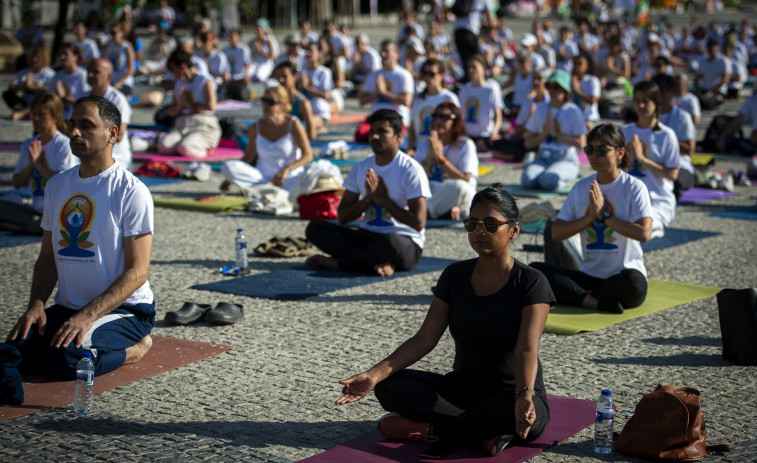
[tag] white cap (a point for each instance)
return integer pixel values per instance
(529, 40)
(417, 45)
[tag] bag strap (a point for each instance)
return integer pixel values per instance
(718, 448)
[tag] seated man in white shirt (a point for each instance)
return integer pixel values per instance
(387, 194)
(712, 77)
(99, 258)
(391, 87)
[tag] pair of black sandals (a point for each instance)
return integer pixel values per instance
(224, 313)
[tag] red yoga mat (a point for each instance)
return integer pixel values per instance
(41, 393)
(568, 416)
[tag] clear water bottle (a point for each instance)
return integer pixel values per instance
(240, 244)
(603, 423)
(85, 383)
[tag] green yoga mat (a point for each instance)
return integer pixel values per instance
(518, 190)
(661, 295)
(216, 204)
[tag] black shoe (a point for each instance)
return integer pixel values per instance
(607, 305)
(189, 313)
(225, 313)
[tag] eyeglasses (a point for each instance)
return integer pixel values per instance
(268, 101)
(428, 73)
(591, 150)
(491, 225)
(443, 117)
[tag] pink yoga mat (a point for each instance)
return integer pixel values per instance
(222, 153)
(232, 105)
(568, 416)
(348, 118)
(15, 147)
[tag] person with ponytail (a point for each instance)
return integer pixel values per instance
(42, 157)
(654, 154)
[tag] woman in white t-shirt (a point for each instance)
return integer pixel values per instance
(121, 54)
(71, 80)
(196, 131)
(557, 131)
(586, 90)
(654, 153)
(264, 49)
(611, 212)
(40, 159)
(482, 104)
(434, 94)
(451, 162)
(316, 82)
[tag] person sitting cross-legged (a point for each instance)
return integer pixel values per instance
(495, 308)
(389, 191)
(96, 246)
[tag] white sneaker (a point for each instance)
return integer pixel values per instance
(528, 158)
(202, 172)
(727, 183)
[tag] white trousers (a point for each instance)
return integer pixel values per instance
(447, 194)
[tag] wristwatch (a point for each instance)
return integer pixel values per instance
(605, 215)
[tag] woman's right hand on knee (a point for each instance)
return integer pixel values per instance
(356, 387)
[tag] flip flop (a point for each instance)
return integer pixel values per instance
(283, 249)
(303, 247)
(263, 248)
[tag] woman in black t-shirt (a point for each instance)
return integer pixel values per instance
(496, 309)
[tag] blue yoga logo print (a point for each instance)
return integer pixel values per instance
(637, 170)
(472, 106)
(378, 213)
(599, 235)
(75, 218)
(424, 120)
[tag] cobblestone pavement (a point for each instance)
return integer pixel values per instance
(271, 398)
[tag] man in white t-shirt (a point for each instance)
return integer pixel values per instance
(99, 73)
(712, 77)
(366, 60)
(391, 87)
(96, 245)
(386, 193)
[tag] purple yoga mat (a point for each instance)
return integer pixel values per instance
(698, 195)
(568, 416)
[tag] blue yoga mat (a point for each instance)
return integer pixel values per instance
(301, 282)
(749, 214)
(9, 239)
(23, 192)
(351, 145)
(158, 181)
(675, 237)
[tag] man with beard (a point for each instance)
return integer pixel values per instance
(386, 193)
(97, 239)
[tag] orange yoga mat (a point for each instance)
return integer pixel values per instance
(41, 393)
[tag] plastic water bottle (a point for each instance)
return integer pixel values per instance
(603, 423)
(85, 383)
(240, 244)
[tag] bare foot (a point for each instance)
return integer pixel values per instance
(135, 353)
(385, 270)
(455, 213)
(321, 261)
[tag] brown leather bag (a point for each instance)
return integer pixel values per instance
(667, 424)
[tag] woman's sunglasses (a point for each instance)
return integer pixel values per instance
(591, 150)
(491, 225)
(443, 117)
(268, 101)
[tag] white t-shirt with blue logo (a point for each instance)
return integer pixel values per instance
(607, 252)
(479, 105)
(59, 158)
(422, 110)
(405, 179)
(89, 219)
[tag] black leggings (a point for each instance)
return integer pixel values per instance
(467, 45)
(684, 182)
(458, 412)
(360, 250)
(629, 287)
